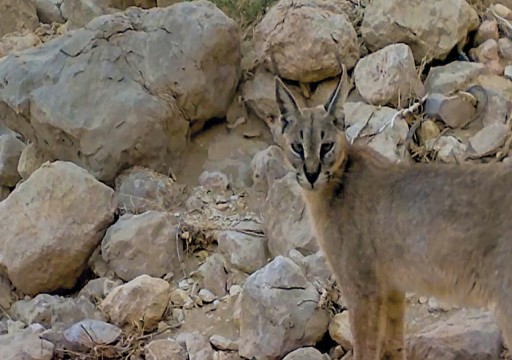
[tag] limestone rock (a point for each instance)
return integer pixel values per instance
(7, 297)
(488, 140)
(26, 345)
(165, 349)
(49, 11)
(80, 12)
(267, 165)
(31, 159)
(245, 252)
(214, 180)
(142, 300)
(488, 30)
(10, 151)
(65, 211)
(387, 75)
(339, 330)
(454, 111)
(430, 28)
(456, 75)
(488, 53)
(324, 31)
(448, 148)
(274, 319)
(463, 336)
(89, 333)
(4, 192)
(143, 244)
(97, 289)
(103, 96)
(221, 343)
(212, 275)
(54, 311)
(17, 16)
(285, 220)
(197, 345)
(308, 353)
(15, 42)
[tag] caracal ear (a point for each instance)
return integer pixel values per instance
(286, 103)
(338, 98)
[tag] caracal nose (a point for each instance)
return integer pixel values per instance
(312, 176)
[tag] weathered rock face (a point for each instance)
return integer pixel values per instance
(388, 75)
(88, 333)
(143, 244)
(456, 75)
(49, 11)
(246, 252)
(430, 28)
(80, 12)
(60, 209)
(104, 98)
(165, 349)
(320, 31)
(10, 152)
(273, 318)
(17, 16)
(26, 345)
(31, 158)
(142, 301)
(17, 42)
(285, 219)
(463, 336)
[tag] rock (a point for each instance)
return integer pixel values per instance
(25, 345)
(508, 72)
(140, 189)
(284, 217)
(15, 42)
(81, 12)
(364, 125)
(487, 53)
(268, 165)
(197, 346)
(428, 130)
(274, 318)
(505, 46)
(212, 274)
(54, 311)
(221, 343)
(143, 244)
(499, 103)
(448, 148)
(462, 336)
(214, 180)
(308, 353)
(226, 355)
(324, 31)
(388, 75)
(4, 192)
(245, 252)
(20, 16)
(90, 333)
(488, 140)
(117, 60)
(431, 28)
(140, 301)
(48, 11)
(206, 296)
(456, 75)
(455, 111)
(7, 297)
(339, 330)
(31, 159)
(97, 289)
(435, 305)
(488, 30)
(66, 211)
(180, 298)
(165, 349)
(10, 151)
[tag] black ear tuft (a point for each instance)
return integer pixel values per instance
(285, 101)
(338, 97)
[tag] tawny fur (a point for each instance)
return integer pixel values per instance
(387, 228)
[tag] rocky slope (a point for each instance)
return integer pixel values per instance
(146, 213)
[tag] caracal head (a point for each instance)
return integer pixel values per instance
(312, 139)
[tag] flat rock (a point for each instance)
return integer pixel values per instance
(108, 95)
(142, 301)
(221, 343)
(245, 252)
(324, 31)
(465, 335)
(285, 220)
(17, 16)
(455, 111)
(430, 28)
(165, 349)
(147, 243)
(54, 311)
(65, 211)
(26, 345)
(140, 189)
(456, 75)
(308, 353)
(488, 140)
(388, 75)
(89, 333)
(274, 318)
(10, 151)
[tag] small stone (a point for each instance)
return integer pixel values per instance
(435, 305)
(423, 299)
(89, 333)
(234, 290)
(31, 159)
(213, 275)
(221, 343)
(505, 46)
(486, 52)
(214, 180)
(488, 30)
(165, 349)
(97, 289)
(206, 296)
(488, 140)
(179, 297)
(508, 72)
(309, 353)
(428, 130)
(10, 152)
(501, 10)
(448, 148)
(197, 345)
(455, 111)
(339, 330)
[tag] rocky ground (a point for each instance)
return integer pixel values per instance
(145, 213)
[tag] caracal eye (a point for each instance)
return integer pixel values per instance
(325, 148)
(298, 149)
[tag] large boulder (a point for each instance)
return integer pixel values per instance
(123, 90)
(278, 311)
(305, 37)
(26, 345)
(60, 210)
(430, 28)
(17, 16)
